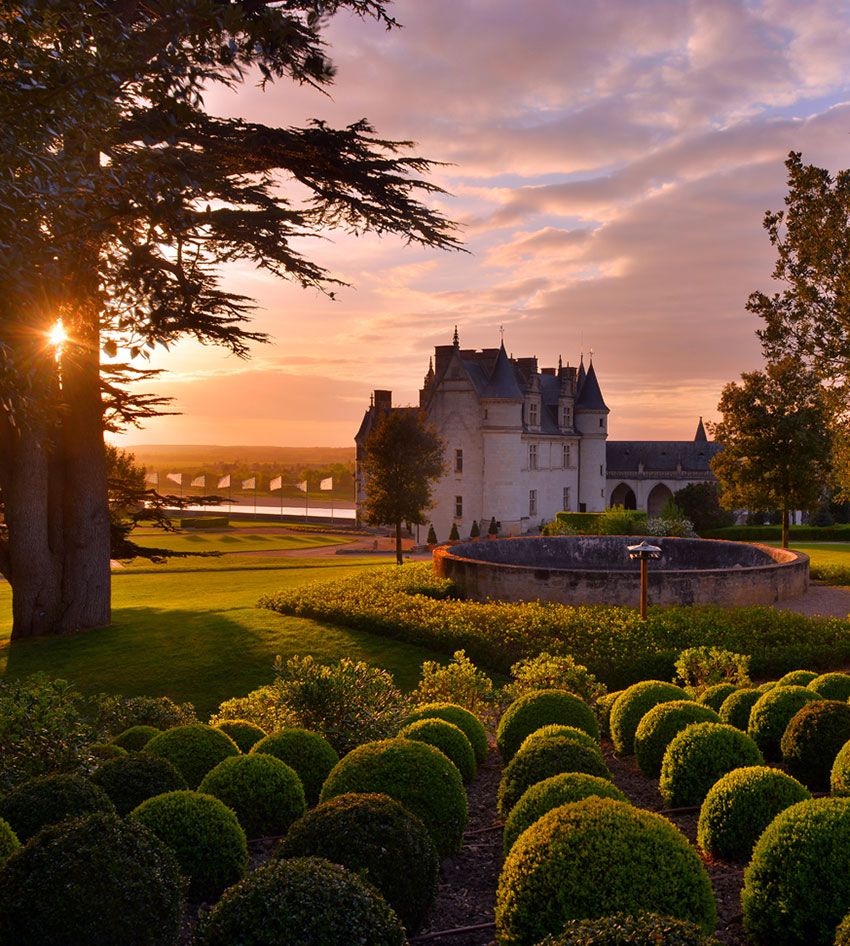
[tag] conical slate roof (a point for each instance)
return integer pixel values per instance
(502, 382)
(700, 436)
(589, 394)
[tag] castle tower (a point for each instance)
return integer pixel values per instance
(591, 420)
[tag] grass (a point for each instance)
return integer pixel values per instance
(233, 541)
(195, 634)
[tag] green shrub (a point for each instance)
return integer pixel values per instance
(603, 712)
(768, 686)
(832, 686)
(117, 713)
(795, 887)
(771, 714)
(95, 881)
(813, 739)
(658, 728)
(633, 704)
(454, 535)
(134, 777)
(839, 779)
(797, 678)
(135, 738)
(9, 842)
(417, 775)
(449, 739)
(242, 731)
(204, 835)
(265, 794)
(647, 929)
(471, 725)
(432, 535)
(619, 521)
(306, 900)
(192, 750)
(459, 682)
(698, 756)
(716, 695)
(374, 836)
(539, 708)
(736, 708)
(554, 672)
(842, 934)
(50, 799)
(701, 667)
(570, 732)
(598, 857)
(740, 805)
(551, 793)
(205, 522)
(101, 751)
(310, 754)
(548, 756)
(262, 707)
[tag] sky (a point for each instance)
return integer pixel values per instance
(610, 163)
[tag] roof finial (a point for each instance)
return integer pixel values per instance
(372, 400)
(591, 356)
(560, 364)
(502, 333)
(456, 339)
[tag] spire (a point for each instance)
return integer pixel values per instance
(582, 374)
(700, 434)
(503, 381)
(456, 339)
(590, 396)
(430, 376)
(560, 364)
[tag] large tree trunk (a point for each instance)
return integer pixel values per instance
(399, 560)
(785, 517)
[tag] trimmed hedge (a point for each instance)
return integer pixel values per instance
(603, 711)
(633, 704)
(598, 857)
(737, 707)
(839, 777)
(771, 714)
(647, 929)
(417, 775)
(539, 708)
(569, 732)
(95, 881)
(51, 799)
(135, 738)
(309, 753)
(449, 739)
(552, 792)
(462, 718)
(205, 522)
(106, 750)
(133, 778)
(660, 725)
(838, 533)
(374, 836)
(700, 755)
(740, 805)
(797, 678)
(9, 842)
(265, 794)
(813, 739)
(549, 756)
(714, 696)
(204, 835)
(243, 732)
(795, 887)
(299, 902)
(831, 686)
(193, 750)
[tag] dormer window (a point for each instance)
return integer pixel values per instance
(566, 417)
(533, 414)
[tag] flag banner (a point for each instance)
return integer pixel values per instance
(327, 484)
(200, 481)
(250, 484)
(276, 483)
(175, 478)
(152, 479)
(224, 482)
(303, 486)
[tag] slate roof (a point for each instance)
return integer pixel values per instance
(589, 396)
(660, 456)
(503, 382)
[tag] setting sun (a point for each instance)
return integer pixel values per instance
(57, 334)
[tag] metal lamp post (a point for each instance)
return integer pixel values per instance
(643, 553)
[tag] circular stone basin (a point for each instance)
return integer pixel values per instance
(596, 569)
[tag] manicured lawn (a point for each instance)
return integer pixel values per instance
(204, 541)
(196, 635)
(825, 553)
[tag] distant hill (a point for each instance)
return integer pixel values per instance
(192, 456)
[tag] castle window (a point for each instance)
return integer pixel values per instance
(566, 418)
(532, 456)
(566, 499)
(532, 414)
(566, 456)
(458, 461)
(532, 502)
(458, 507)
(601, 471)
(601, 421)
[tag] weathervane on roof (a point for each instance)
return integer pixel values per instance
(502, 333)
(456, 339)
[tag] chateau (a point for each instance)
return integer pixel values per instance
(524, 443)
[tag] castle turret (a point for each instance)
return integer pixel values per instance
(591, 420)
(700, 436)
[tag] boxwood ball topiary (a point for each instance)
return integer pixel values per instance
(131, 779)
(771, 714)
(449, 739)
(842, 934)
(740, 805)
(94, 881)
(633, 704)
(700, 755)
(646, 929)
(50, 799)
(539, 708)
(603, 712)
(548, 756)
(714, 696)
(298, 902)
(556, 729)
(832, 686)
(795, 887)
(660, 725)
(595, 858)
(9, 842)
(768, 686)
(243, 732)
(736, 708)
(813, 739)
(204, 835)
(193, 750)
(376, 837)
(135, 738)
(309, 753)
(797, 678)
(417, 775)
(839, 779)
(462, 718)
(552, 792)
(265, 793)
(106, 750)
